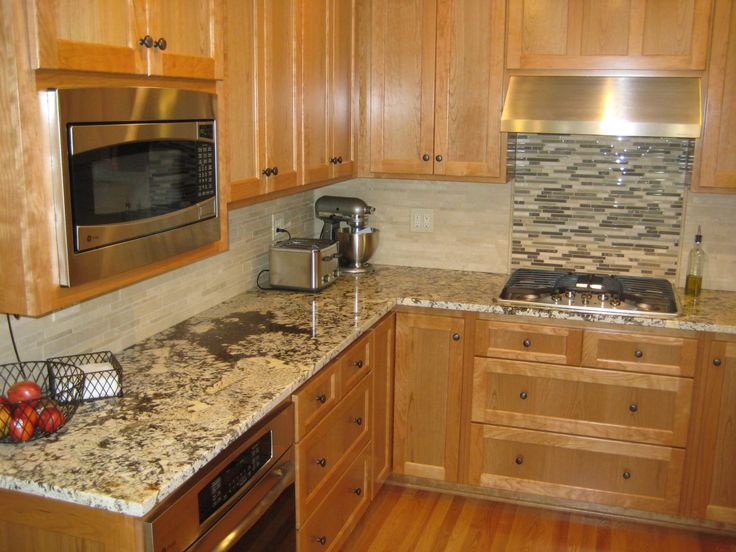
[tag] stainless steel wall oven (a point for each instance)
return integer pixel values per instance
(135, 177)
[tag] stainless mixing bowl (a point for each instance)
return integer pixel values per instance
(356, 249)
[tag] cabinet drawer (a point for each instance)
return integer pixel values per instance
(341, 509)
(331, 446)
(578, 468)
(584, 401)
(315, 399)
(534, 342)
(355, 362)
(636, 352)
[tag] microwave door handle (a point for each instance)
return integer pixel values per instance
(83, 138)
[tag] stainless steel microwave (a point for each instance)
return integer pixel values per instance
(135, 174)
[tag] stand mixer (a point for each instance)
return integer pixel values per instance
(358, 240)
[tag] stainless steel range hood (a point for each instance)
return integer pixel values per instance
(617, 106)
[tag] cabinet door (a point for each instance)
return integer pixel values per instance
(277, 91)
(342, 151)
(402, 86)
(188, 27)
(469, 86)
(89, 35)
(716, 158)
(608, 34)
(427, 393)
(383, 400)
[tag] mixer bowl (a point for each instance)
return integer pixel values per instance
(357, 248)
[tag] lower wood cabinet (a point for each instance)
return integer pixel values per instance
(383, 400)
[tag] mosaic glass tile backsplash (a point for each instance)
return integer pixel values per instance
(599, 203)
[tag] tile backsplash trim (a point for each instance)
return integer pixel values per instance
(600, 203)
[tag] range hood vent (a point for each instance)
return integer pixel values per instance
(614, 106)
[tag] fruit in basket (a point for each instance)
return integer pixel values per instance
(5, 418)
(20, 429)
(51, 419)
(28, 391)
(27, 412)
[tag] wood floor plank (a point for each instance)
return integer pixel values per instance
(409, 520)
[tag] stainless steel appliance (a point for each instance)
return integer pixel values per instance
(593, 293)
(303, 264)
(135, 177)
(358, 240)
(242, 500)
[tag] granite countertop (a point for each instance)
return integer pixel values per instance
(194, 388)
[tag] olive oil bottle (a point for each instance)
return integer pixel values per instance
(695, 266)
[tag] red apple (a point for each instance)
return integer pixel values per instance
(51, 419)
(26, 412)
(27, 391)
(21, 429)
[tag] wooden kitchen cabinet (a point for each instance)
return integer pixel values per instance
(261, 90)
(436, 85)
(715, 157)
(383, 399)
(326, 124)
(427, 394)
(608, 34)
(105, 37)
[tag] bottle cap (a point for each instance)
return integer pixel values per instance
(698, 236)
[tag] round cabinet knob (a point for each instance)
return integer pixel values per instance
(627, 474)
(321, 461)
(438, 159)
(266, 171)
(275, 171)
(425, 157)
(358, 421)
(526, 343)
(358, 491)
(339, 159)
(638, 353)
(321, 398)
(523, 395)
(160, 44)
(321, 540)
(716, 362)
(146, 41)
(519, 460)
(633, 407)
(358, 363)
(456, 337)
(333, 160)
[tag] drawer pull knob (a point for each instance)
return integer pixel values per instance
(438, 158)
(358, 363)
(146, 41)
(321, 461)
(519, 460)
(627, 474)
(456, 337)
(526, 343)
(358, 421)
(321, 398)
(425, 157)
(523, 395)
(160, 44)
(321, 540)
(266, 171)
(638, 353)
(275, 171)
(358, 491)
(716, 362)
(633, 407)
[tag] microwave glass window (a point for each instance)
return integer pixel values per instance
(137, 181)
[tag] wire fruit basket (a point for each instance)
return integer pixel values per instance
(38, 398)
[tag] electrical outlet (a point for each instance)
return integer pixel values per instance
(277, 221)
(422, 220)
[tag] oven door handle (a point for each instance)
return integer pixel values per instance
(236, 522)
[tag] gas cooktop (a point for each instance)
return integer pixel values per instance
(594, 293)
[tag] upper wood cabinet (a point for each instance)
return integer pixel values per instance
(260, 88)
(327, 149)
(436, 76)
(716, 157)
(111, 36)
(608, 34)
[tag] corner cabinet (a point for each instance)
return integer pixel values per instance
(436, 73)
(608, 34)
(167, 38)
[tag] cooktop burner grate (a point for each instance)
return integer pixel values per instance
(590, 292)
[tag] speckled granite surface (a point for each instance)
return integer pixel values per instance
(194, 388)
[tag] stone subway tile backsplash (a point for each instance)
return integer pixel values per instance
(599, 203)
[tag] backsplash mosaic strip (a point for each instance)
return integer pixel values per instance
(599, 203)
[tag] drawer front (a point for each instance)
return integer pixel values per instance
(315, 399)
(629, 475)
(674, 356)
(533, 342)
(355, 363)
(344, 504)
(583, 401)
(331, 446)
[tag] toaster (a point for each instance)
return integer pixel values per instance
(303, 264)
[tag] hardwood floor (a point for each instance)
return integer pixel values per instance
(403, 520)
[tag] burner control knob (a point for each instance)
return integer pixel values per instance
(615, 301)
(603, 297)
(585, 298)
(556, 297)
